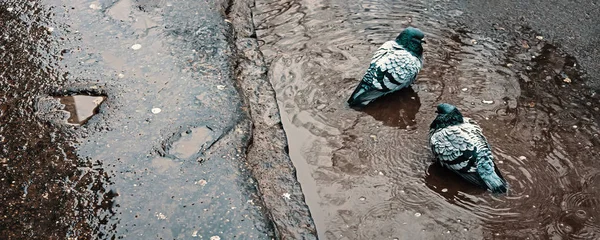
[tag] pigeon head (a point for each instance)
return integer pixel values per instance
(411, 39)
(448, 115)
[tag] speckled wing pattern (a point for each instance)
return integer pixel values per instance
(392, 68)
(463, 149)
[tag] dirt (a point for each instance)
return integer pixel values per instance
(369, 174)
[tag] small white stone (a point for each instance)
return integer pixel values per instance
(522, 158)
(362, 198)
(380, 173)
(195, 233)
(220, 87)
(539, 37)
(575, 126)
(417, 214)
(215, 238)
(464, 89)
(487, 101)
(121, 75)
(286, 195)
(444, 190)
(10, 9)
(201, 182)
(50, 29)
(156, 110)
(136, 46)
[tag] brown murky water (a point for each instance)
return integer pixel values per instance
(368, 174)
(81, 107)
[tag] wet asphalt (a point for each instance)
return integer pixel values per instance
(181, 147)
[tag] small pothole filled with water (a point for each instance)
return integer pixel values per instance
(80, 107)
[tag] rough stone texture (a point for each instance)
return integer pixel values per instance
(572, 25)
(267, 153)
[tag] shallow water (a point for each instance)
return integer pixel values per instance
(369, 175)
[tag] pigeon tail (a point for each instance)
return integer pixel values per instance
(361, 96)
(495, 183)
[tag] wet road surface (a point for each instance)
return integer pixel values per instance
(369, 174)
(121, 119)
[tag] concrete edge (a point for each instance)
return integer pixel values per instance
(267, 155)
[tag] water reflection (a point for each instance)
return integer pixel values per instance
(397, 109)
(81, 107)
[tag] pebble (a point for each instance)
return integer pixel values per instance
(464, 89)
(156, 110)
(201, 182)
(362, 198)
(487, 101)
(444, 190)
(136, 46)
(215, 238)
(417, 214)
(94, 6)
(539, 37)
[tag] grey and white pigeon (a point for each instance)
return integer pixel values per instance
(394, 66)
(458, 144)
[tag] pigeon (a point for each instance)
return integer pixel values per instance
(458, 144)
(394, 66)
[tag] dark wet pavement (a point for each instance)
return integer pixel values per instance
(163, 155)
(368, 174)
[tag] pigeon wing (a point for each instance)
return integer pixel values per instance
(454, 149)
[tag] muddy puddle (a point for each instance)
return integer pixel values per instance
(369, 175)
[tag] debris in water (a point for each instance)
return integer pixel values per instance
(161, 216)
(487, 101)
(81, 107)
(220, 87)
(136, 46)
(156, 110)
(286, 195)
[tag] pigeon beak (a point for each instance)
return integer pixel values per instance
(423, 41)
